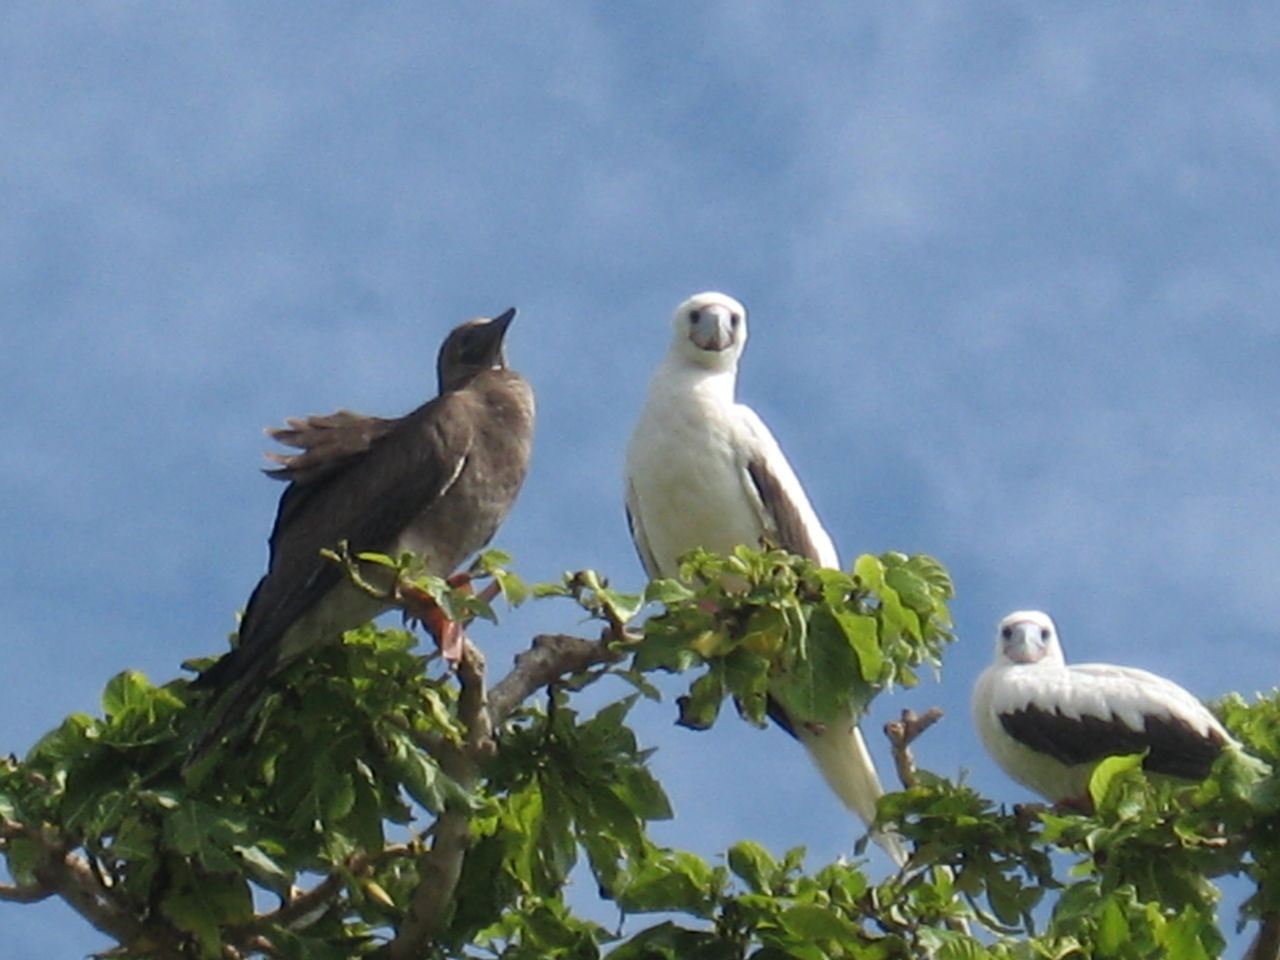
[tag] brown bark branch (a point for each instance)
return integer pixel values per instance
(473, 702)
(550, 657)
(15, 893)
(902, 733)
(318, 897)
(71, 877)
(1266, 945)
(440, 867)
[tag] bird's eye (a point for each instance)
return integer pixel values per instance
(1044, 634)
(1006, 632)
(695, 316)
(735, 319)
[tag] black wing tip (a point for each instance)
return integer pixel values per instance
(1172, 746)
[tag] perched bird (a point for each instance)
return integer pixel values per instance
(1048, 724)
(436, 482)
(704, 471)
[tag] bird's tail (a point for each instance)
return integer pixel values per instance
(231, 708)
(842, 757)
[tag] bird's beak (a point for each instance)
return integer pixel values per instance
(1024, 644)
(714, 329)
(491, 336)
(500, 323)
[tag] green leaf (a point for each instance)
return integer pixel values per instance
(870, 572)
(541, 590)
(677, 881)
(699, 709)
(644, 794)
(624, 606)
(1182, 937)
(202, 904)
(863, 636)
(514, 590)
(421, 778)
(818, 923)
(125, 692)
(337, 794)
(818, 687)
(754, 865)
(1107, 771)
(747, 677)
(667, 592)
(1113, 927)
(377, 559)
(68, 741)
(266, 869)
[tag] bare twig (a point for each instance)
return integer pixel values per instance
(321, 896)
(317, 898)
(902, 733)
(550, 657)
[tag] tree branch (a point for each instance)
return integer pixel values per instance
(902, 733)
(71, 877)
(314, 901)
(550, 657)
(441, 866)
(1266, 945)
(473, 703)
(309, 901)
(34, 893)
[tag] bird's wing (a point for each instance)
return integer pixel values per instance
(786, 515)
(1089, 711)
(838, 749)
(635, 524)
(366, 499)
(327, 442)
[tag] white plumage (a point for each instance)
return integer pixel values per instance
(1048, 724)
(704, 471)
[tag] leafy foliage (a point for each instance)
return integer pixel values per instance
(381, 806)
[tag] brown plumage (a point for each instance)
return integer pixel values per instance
(436, 482)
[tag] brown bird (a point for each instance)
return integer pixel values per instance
(436, 482)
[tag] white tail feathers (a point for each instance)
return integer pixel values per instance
(841, 755)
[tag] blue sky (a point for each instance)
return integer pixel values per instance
(1011, 270)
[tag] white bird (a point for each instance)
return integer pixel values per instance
(1048, 724)
(704, 471)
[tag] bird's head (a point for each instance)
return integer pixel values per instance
(1028, 636)
(472, 347)
(710, 330)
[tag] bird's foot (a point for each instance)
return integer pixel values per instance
(421, 606)
(448, 633)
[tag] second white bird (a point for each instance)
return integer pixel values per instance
(704, 471)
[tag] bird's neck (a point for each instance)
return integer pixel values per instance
(678, 377)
